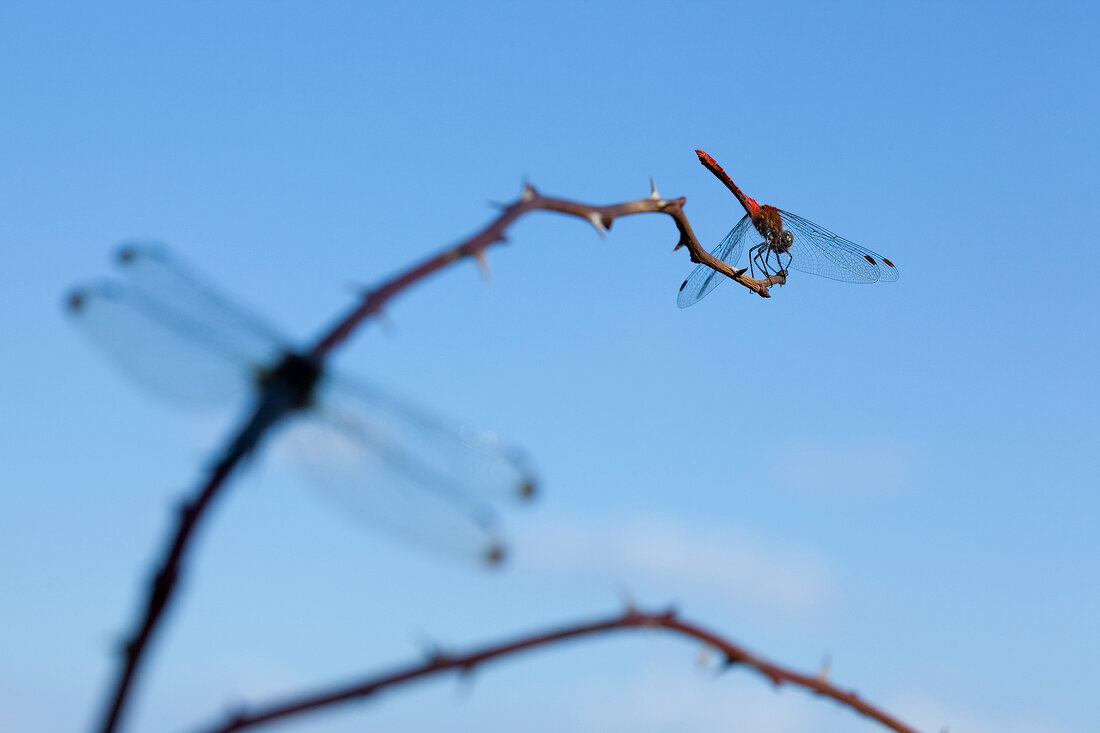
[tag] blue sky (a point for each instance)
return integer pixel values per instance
(901, 476)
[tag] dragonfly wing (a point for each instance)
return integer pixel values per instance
(408, 472)
(163, 352)
(152, 269)
(704, 279)
(818, 251)
(178, 338)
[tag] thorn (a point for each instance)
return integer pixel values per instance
(739, 273)
(464, 682)
(500, 206)
(627, 598)
(598, 223)
(356, 288)
(529, 191)
(705, 656)
(653, 189)
(440, 658)
(386, 323)
(823, 672)
(482, 260)
(433, 650)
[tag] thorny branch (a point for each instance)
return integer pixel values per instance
(272, 407)
(600, 217)
(629, 619)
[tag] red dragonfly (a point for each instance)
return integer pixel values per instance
(789, 241)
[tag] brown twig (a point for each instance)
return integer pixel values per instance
(750, 207)
(600, 217)
(629, 619)
(273, 408)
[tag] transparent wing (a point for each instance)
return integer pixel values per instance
(178, 338)
(704, 279)
(818, 251)
(408, 472)
(152, 269)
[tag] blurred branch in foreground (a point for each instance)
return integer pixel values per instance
(463, 663)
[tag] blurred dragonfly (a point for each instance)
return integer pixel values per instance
(386, 460)
(788, 241)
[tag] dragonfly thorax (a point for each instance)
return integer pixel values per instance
(769, 223)
(296, 374)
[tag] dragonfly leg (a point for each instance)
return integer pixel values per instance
(754, 259)
(768, 271)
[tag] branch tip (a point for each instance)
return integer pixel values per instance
(630, 608)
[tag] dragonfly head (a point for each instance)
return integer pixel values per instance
(786, 239)
(297, 374)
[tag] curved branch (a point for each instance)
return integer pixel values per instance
(166, 578)
(169, 570)
(600, 217)
(629, 619)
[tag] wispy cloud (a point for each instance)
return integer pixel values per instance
(689, 560)
(928, 714)
(844, 467)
